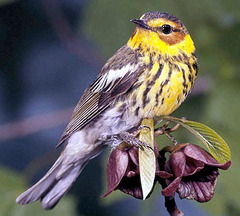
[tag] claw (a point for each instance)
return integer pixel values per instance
(138, 130)
(143, 126)
(130, 138)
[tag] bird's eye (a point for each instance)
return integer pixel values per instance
(166, 29)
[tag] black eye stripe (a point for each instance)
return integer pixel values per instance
(176, 30)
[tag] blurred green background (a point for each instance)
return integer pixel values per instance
(51, 50)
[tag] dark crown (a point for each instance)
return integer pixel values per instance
(156, 15)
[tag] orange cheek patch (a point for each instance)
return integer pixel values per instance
(174, 38)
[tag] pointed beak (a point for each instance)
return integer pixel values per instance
(140, 23)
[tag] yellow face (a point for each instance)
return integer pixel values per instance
(168, 31)
(161, 34)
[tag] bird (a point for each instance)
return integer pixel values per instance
(151, 75)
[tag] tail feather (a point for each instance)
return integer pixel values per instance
(50, 189)
(63, 173)
(41, 187)
(60, 188)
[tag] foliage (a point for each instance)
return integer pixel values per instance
(215, 143)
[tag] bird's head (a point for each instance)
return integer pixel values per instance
(160, 32)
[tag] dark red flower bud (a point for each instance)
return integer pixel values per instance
(194, 173)
(123, 171)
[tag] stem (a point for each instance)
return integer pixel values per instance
(170, 203)
(172, 207)
(171, 137)
(166, 131)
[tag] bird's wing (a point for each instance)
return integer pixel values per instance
(115, 78)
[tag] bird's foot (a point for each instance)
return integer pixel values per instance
(127, 137)
(132, 140)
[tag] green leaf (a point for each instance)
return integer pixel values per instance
(215, 143)
(147, 159)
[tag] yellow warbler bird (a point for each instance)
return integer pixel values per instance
(149, 76)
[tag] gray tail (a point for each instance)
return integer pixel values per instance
(54, 184)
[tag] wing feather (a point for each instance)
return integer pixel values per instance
(115, 78)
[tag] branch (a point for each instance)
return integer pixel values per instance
(34, 124)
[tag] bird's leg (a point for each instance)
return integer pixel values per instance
(127, 137)
(132, 140)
